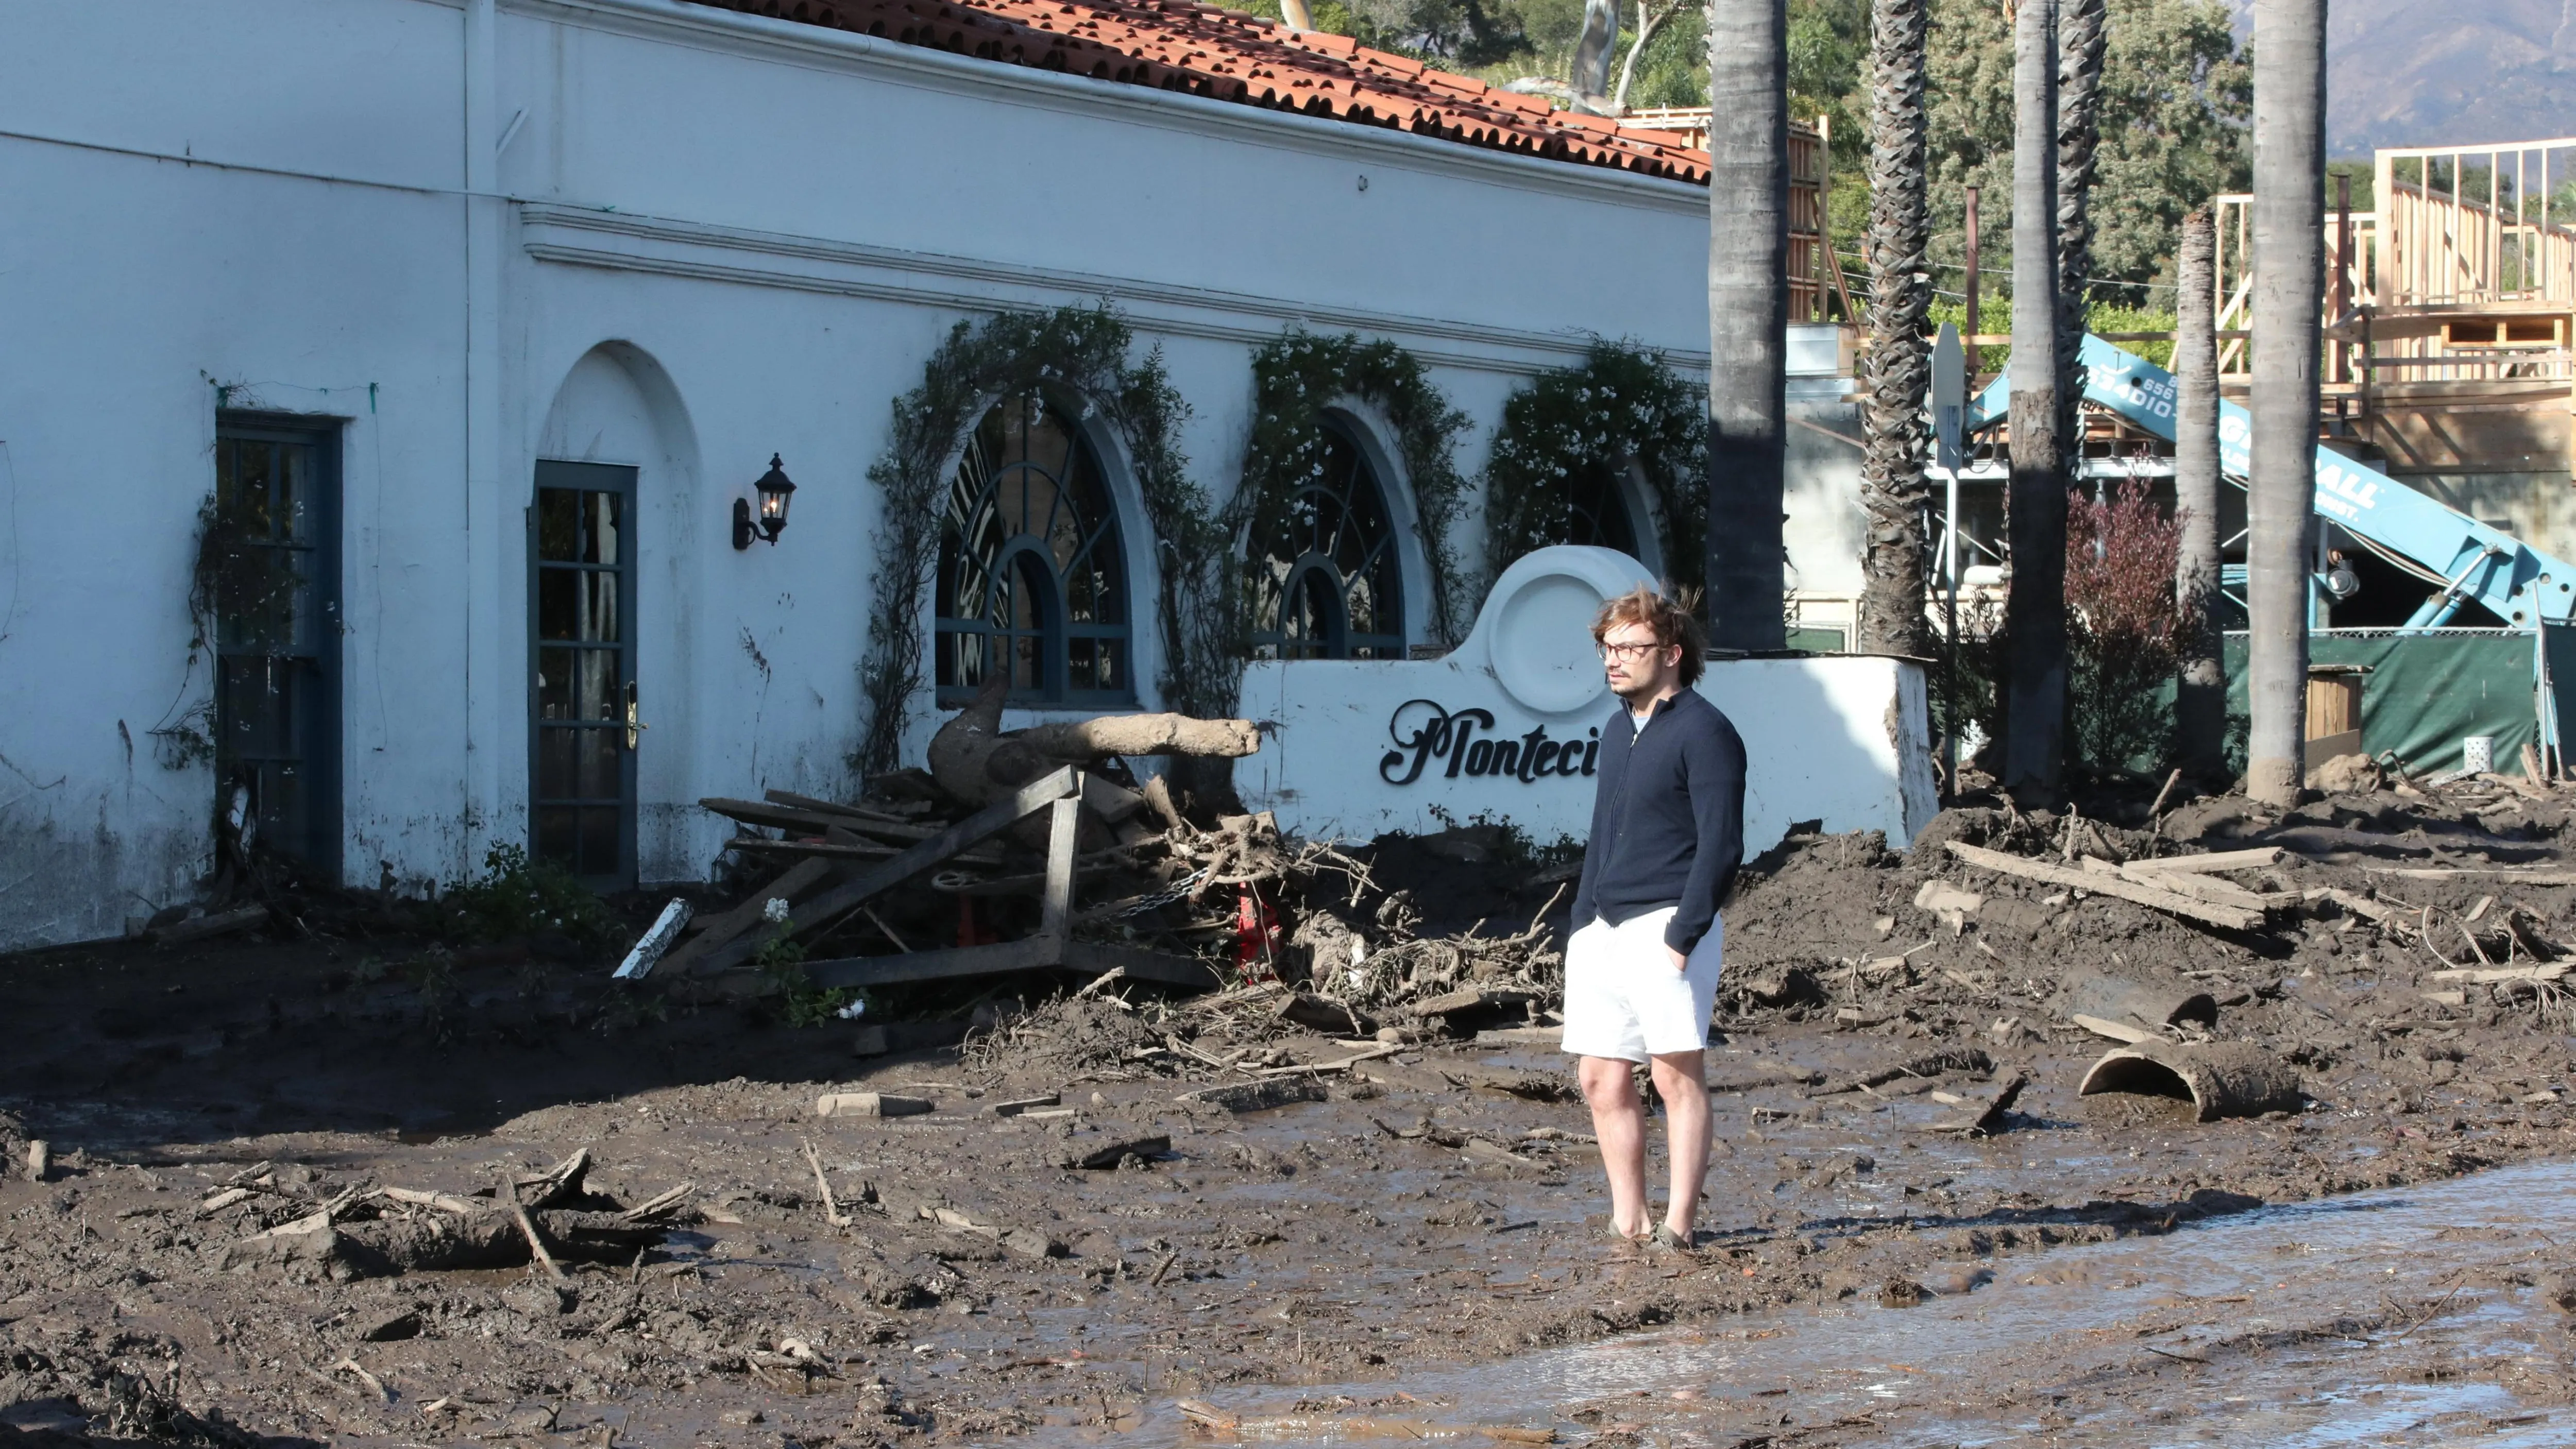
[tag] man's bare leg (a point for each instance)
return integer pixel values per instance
(1621, 1125)
(1681, 1080)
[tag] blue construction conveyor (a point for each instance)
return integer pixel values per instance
(2459, 557)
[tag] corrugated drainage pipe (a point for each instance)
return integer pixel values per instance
(2220, 1079)
(2086, 991)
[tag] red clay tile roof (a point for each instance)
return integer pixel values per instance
(1174, 45)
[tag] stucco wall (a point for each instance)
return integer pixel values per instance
(647, 233)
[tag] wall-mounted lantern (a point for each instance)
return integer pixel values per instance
(774, 488)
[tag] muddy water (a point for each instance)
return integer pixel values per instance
(2398, 1317)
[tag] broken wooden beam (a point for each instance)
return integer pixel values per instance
(1064, 822)
(2216, 860)
(2488, 976)
(2234, 918)
(2201, 887)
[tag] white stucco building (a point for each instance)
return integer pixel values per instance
(489, 311)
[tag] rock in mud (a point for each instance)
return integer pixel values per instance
(1110, 1154)
(1257, 1096)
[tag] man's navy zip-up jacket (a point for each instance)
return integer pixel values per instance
(1668, 819)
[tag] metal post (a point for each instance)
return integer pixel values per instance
(1950, 628)
(2342, 272)
(1976, 354)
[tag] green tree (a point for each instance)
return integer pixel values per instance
(2177, 95)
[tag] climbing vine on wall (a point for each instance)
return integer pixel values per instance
(1293, 379)
(1078, 355)
(1577, 430)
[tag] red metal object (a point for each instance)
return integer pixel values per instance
(1256, 936)
(968, 933)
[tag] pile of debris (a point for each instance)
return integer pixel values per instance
(546, 1219)
(1041, 850)
(2181, 942)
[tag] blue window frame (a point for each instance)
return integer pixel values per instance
(1325, 578)
(1031, 577)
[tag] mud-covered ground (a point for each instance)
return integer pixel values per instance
(1439, 1208)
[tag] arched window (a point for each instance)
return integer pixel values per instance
(1323, 565)
(1597, 512)
(1030, 575)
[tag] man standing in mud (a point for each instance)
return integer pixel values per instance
(1641, 967)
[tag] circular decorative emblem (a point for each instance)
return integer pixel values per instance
(1537, 625)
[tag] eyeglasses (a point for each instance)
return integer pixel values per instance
(1628, 651)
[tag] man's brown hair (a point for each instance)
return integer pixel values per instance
(1669, 615)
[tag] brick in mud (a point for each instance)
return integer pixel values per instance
(868, 1104)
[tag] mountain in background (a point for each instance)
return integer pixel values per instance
(2416, 73)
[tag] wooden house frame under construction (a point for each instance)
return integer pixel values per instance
(2450, 309)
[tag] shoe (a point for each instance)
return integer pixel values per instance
(1673, 1242)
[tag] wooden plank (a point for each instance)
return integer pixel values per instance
(776, 817)
(833, 807)
(812, 821)
(718, 930)
(1034, 953)
(849, 849)
(1064, 822)
(972, 831)
(2192, 883)
(852, 817)
(2233, 918)
(2214, 860)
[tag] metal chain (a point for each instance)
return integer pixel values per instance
(1162, 898)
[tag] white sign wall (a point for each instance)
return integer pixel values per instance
(1507, 727)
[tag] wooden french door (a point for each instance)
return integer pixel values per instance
(584, 723)
(274, 545)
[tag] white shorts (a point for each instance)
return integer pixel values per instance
(1624, 999)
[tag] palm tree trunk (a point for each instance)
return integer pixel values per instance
(2200, 711)
(2081, 34)
(1748, 319)
(2035, 611)
(1898, 367)
(2289, 275)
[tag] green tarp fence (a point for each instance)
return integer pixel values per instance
(2426, 692)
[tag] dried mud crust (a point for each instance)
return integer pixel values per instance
(1439, 1205)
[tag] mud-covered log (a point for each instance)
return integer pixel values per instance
(975, 761)
(433, 1242)
(2220, 1079)
(1141, 734)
